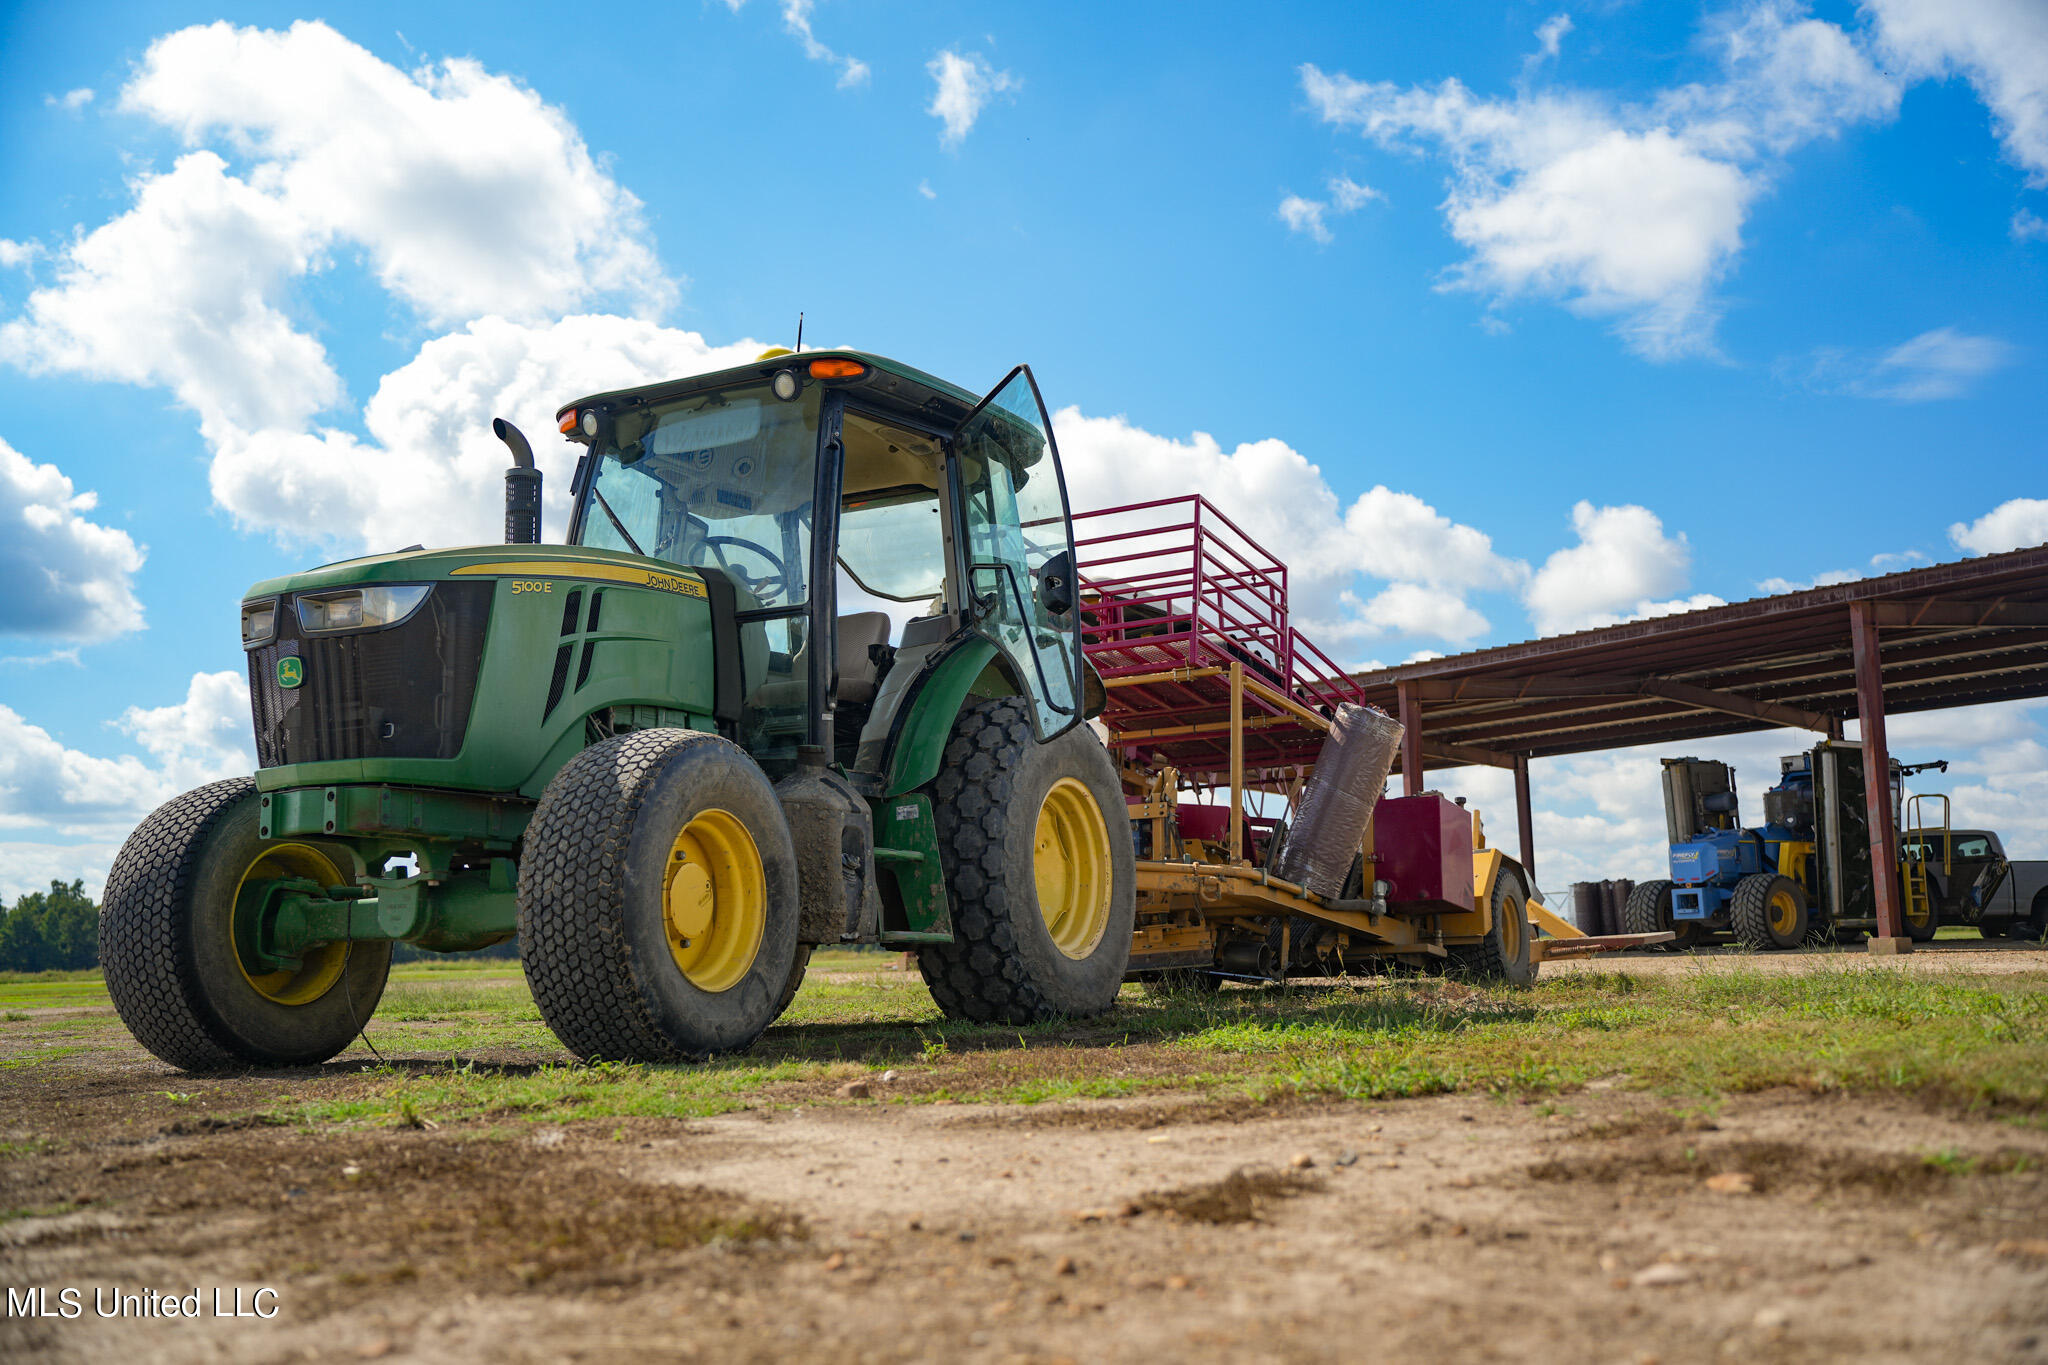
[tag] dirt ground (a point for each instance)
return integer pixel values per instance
(1603, 1225)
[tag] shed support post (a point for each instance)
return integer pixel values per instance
(1525, 820)
(1411, 738)
(1877, 779)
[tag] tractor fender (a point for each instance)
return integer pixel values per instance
(918, 744)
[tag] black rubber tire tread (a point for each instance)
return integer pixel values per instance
(1648, 911)
(987, 973)
(2034, 928)
(154, 989)
(155, 970)
(1488, 959)
(1749, 912)
(575, 942)
(796, 979)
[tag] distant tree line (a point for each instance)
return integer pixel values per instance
(51, 931)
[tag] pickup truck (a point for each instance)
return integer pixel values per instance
(1981, 887)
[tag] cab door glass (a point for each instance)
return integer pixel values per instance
(1018, 547)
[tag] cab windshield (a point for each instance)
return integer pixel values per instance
(722, 480)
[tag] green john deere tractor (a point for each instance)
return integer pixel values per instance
(664, 754)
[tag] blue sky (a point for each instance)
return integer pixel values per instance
(1493, 319)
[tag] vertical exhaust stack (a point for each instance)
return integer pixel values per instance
(522, 486)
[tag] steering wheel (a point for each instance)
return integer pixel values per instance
(778, 580)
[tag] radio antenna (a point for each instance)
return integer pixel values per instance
(799, 331)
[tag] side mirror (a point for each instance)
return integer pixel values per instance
(1056, 583)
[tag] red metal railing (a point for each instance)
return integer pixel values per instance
(1174, 586)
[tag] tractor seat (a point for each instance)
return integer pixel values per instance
(859, 673)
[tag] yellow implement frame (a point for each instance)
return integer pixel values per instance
(1188, 905)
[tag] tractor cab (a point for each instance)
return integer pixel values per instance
(852, 518)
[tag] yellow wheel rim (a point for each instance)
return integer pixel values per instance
(1070, 860)
(1784, 913)
(321, 967)
(1514, 926)
(714, 900)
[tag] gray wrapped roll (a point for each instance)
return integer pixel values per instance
(1351, 772)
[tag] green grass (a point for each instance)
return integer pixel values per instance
(465, 1043)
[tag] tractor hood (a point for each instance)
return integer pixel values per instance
(485, 561)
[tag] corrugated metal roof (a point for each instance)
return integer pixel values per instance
(1954, 634)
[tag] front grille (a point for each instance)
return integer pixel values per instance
(402, 691)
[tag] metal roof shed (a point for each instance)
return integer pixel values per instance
(1940, 636)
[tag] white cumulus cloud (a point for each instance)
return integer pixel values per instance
(2011, 525)
(430, 471)
(1999, 46)
(1550, 37)
(796, 18)
(1629, 211)
(1622, 564)
(1414, 564)
(1309, 216)
(469, 193)
(67, 577)
(188, 290)
(965, 83)
(1306, 217)
(64, 812)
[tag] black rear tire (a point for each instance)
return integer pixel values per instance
(595, 929)
(1503, 955)
(2034, 928)
(168, 954)
(996, 786)
(1648, 911)
(796, 979)
(1769, 912)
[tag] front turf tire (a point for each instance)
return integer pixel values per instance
(1648, 911)
(993, 797)
(1503, 955)
(168, 954)
(1769, 911)
(621, 965)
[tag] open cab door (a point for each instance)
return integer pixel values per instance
(1018, 546)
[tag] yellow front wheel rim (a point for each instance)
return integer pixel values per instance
(714, 900)
(1784, 913)
(1514, 924)
(320, 967)
(1070, 861)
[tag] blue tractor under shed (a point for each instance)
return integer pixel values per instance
(1752, 885)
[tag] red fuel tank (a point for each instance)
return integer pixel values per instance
(1424, 847)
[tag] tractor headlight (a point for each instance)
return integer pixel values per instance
(360, 608)
(259, 623)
